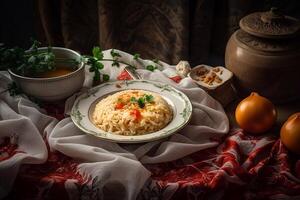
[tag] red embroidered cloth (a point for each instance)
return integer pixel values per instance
(242, 167)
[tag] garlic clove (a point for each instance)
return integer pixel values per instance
(183, 68)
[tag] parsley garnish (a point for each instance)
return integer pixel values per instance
(142, 100)
(96, 63)
(105, 77)
(115, 63)
(133, 99)
(136, 56)
(33, 62)
(97, 53)
(151, 68)
(149, 98)
(114, 54)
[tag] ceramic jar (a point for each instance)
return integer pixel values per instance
(264, 56)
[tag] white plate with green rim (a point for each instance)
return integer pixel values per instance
(85, 105)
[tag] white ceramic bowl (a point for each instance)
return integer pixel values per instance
(56, 88)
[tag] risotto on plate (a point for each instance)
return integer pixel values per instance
(132, 112)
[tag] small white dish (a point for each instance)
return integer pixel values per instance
(85, 104)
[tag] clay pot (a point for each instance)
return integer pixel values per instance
(264, 56)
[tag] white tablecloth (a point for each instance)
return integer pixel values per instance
(108, 162)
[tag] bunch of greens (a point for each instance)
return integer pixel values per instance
(32, 62)
(95, 63)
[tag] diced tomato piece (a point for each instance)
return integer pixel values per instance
(119, 106)
(124, 76)
(176, 79)
(137, 114)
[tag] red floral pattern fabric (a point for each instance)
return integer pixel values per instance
(242, 167)
(8, 148)
(176, 79)
(124, 75)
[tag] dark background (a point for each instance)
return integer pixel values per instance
(170, 30)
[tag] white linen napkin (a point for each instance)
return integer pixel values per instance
(110, 163)
(24, 124)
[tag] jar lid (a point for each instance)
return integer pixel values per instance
(270, 24)
(262, 44)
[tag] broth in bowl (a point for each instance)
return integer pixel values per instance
(59, 71)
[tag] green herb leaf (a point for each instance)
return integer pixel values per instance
(32, 59)
(133, 99)
(97, 53)
(136, 56)
(115, 63)
(149, 98)
(151, 68)
(91, 61)
(114, 54)
(35, 45)
(141, 102)
(105, 77)
(99, 65)
(30, 63)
